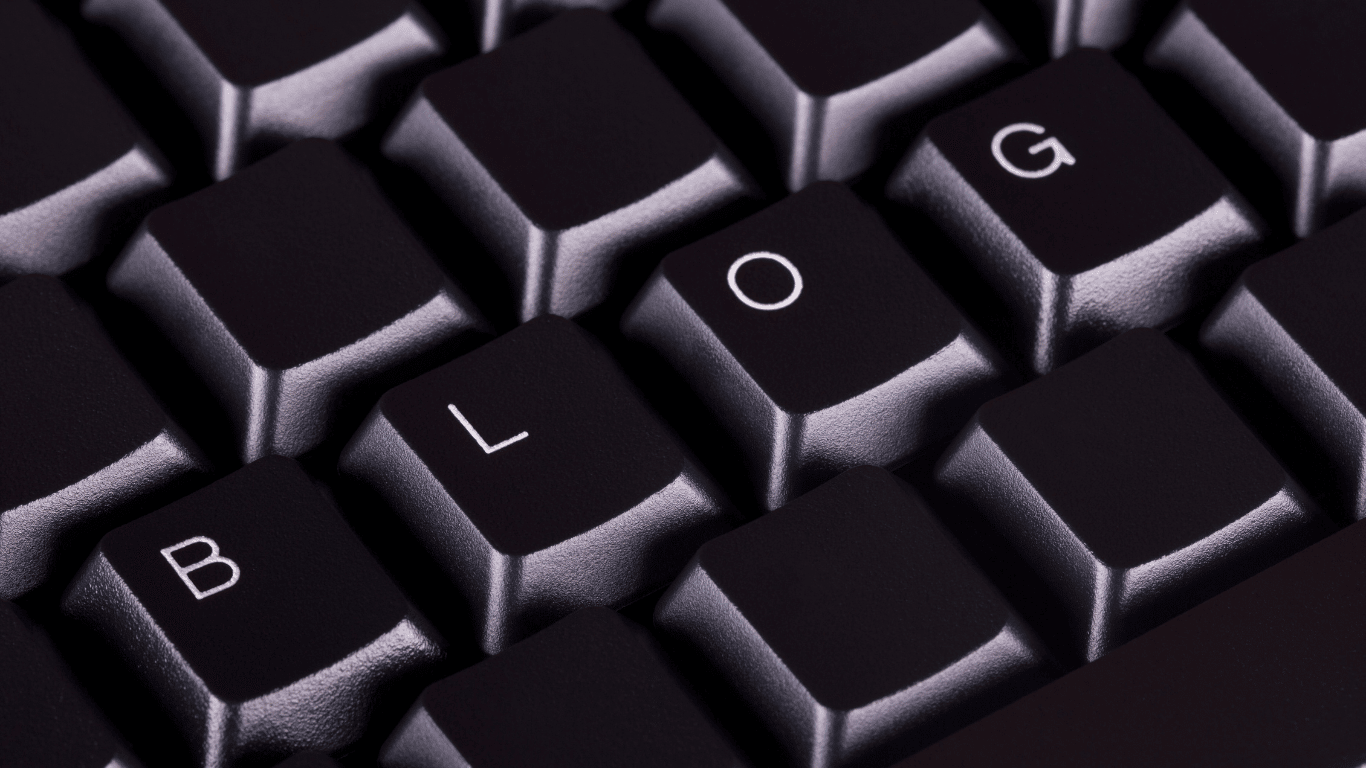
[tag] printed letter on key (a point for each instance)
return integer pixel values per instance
(1061, 156)
(464, 422)
(788, 265)
(183, 571)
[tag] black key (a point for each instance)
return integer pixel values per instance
(852, 624)
(1267, 675)
(255, 74)
(45, 719)
(74, 162)
(289, 287)
(563, 151)
(309, 760)
(255, 615)
(1106, 24)
(538, 479)
(1082, 203)
(499, 19)
(817, 340)
(1296, 321)
(592, 691)
(81, 438)
(1282, 74)
(829, 80)
(1131, 487)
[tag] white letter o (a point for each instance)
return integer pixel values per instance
(789, 266)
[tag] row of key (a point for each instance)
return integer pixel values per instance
(1073, 487)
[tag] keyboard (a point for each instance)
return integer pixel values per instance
(682, 383)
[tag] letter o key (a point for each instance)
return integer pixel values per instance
(757, 255)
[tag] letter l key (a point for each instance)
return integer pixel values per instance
(464, 422)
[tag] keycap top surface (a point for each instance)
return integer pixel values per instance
(72, 406)
(572, 120)
(1267, 674)
(58, 124)
(1303, 53)
(45, 719)
(593, 691)
(1136, 177)
(826, 49)
(856, 588)
(299, 255)
(1133, 449)
(866, 312)
(253, 42)
(1314, 290)
(309, 760)
(593, 449)
(308, 595)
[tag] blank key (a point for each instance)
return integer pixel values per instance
(256, 74)
(564, 151)
(291, 288)
(75, 164)
(1131, 487)
(828, 79)
(851, 624)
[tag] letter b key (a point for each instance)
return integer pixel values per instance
(213, 558)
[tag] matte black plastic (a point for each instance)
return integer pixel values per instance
(1304, 53)
(572, 119)
(1316, 290)
(70, 405)
(299, 255)
(866, 311)
(58, 123)
(1136, 176)
(590, 691)
(45, 719)
(856, 588)
(309, 593)
(1133, 449)
(252, 42)
(1266, 675)
(827, 47)
(593, 450)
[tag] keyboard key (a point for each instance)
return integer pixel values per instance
(852, 624)
(290, 288)
(309, 760)
(1295, 322)
(1266, 675)
(81, 438)
(45, 719)
(817, 340)
(1278, 73)
(255, 615)
(592, 691)
(563, 151)
(1103, 24)
(74, 162)
(1082, 203)
(1130, 486)
(828, 79)
(538, 479)
(256, 74)
(498, 19)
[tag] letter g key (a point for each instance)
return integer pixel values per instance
(1061, 156)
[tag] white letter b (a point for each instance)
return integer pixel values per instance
(183, 571)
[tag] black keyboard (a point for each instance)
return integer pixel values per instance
(655, 383)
